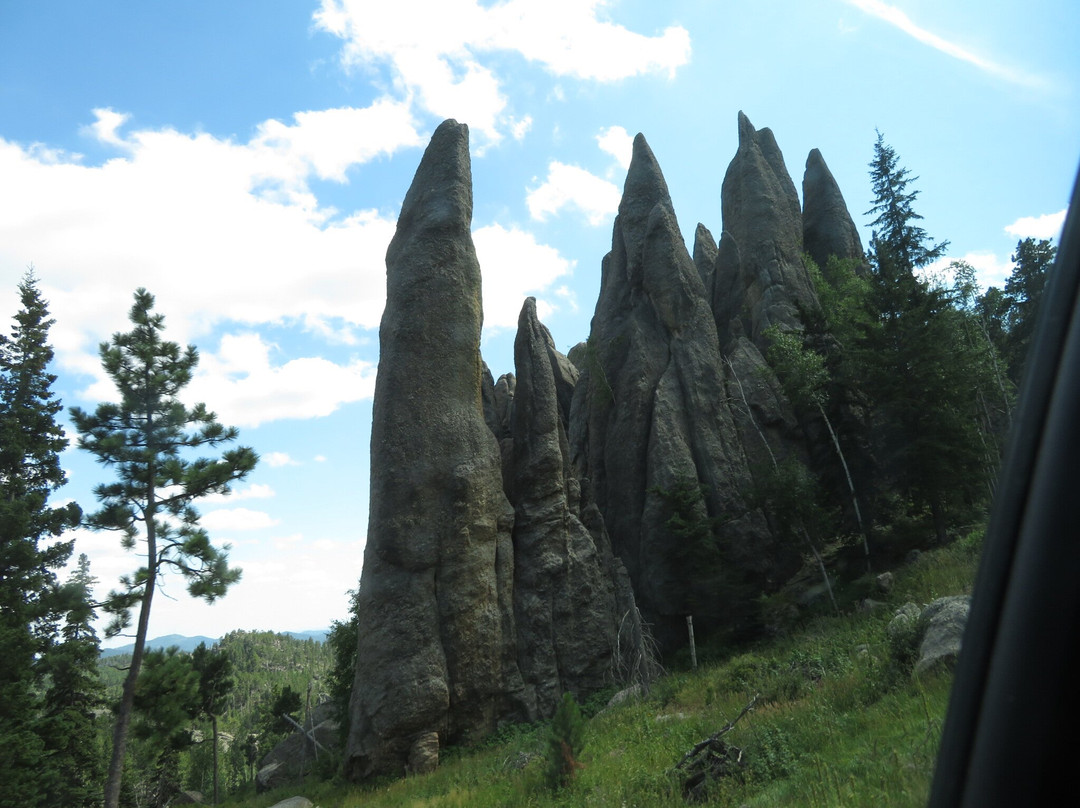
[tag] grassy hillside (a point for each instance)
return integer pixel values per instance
(839, 720)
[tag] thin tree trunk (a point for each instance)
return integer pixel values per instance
(213, 722)
(127, 697)
(851, 485)
(821, 566)
(776, 467)
(750, 413)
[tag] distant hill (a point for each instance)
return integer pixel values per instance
(189, 644)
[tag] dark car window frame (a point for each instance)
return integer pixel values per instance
(1011, 734)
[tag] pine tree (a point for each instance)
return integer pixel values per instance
(147, 439)
(1023, 293)
(30, 445)
(74, 695)
(911, 355)
(215, 685)
(566, 740)
(905, 245)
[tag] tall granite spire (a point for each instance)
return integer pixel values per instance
(436, 654)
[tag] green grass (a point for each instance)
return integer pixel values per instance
(837, 723)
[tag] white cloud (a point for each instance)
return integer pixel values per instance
(230, 519)
(326, 142)
(1046, 226)
(435, 50)
(568, 38)
(106, 126)
(571, 186)
(617, 142)
(277, 459)
(218, 230)
(247, 389)
(990, 269)
(520, 128)
(252, 491)
(514, 266)
(898, 19)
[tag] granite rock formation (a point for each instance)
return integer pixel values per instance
(651, 416)
(570, 595)
(760, 280)
(474, 609)
(436, 648)
(828, 228)
(523, 530)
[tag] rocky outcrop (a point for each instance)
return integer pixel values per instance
(827, 225)
(296, 754)
(760, 280)
(568, 588)
(517, 525)
(650, 416)
(474, 607)
(436, 651)
(705, 251)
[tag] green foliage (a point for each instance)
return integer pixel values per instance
(838, 729)
(897, 239)
(68, 723)
(286, 702)
(262, 665)
(30, 604)
(566, 741)
(342, 640)
(800, 370)
(166, 699)
(1010, 314)
(147, 440)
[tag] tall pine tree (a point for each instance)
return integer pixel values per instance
(148, 438)
(30, 444)
(912, 358)
(75, 694)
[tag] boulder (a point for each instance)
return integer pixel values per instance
(436, 647)
(941, 626)
(294, 802)
(295, 756)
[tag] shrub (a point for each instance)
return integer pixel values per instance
(565, 743)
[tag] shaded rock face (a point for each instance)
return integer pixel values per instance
(760, 280)
(651, 413)
(436, 653)
(568, 588)
(295, 755)
(827, 225)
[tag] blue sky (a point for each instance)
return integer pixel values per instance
(245, 162)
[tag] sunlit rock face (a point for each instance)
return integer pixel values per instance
(760, 280)
(468, 617)
(436, 654)
(571, 597)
